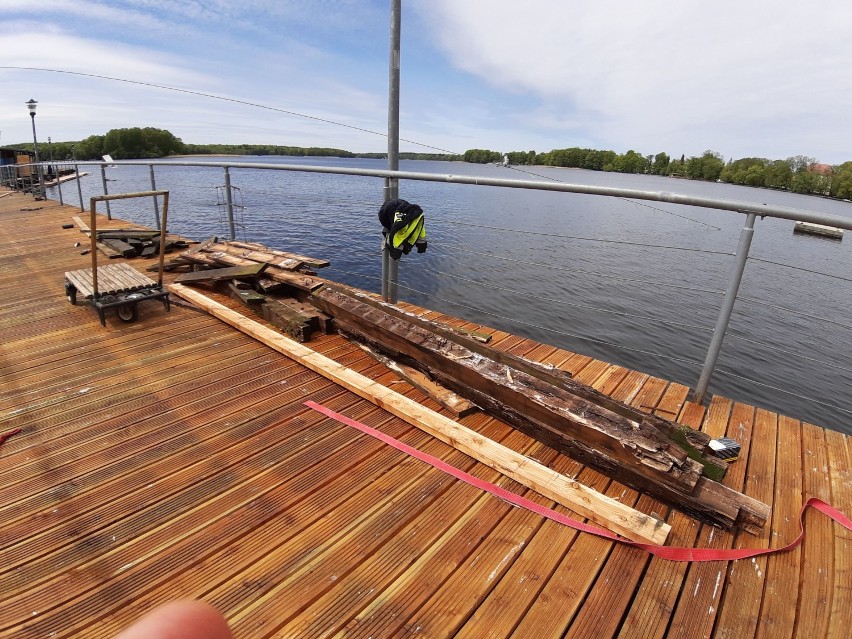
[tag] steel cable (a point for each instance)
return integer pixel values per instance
(781, 390)
(592, 239)
(572, 305)
(553, 330)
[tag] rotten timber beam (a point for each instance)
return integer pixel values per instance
(619, 443)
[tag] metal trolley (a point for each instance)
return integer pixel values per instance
(118, 286)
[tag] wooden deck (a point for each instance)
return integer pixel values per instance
(174, 458)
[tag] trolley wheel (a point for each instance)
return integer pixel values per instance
(127, 312)
(71, 294)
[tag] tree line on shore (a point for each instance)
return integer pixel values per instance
(799, 174)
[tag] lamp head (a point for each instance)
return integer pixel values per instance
(31, 105)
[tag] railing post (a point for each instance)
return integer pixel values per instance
(156, 201)
(390, 267)
(79, 186)
(103, 181)
(727, 308)
(230, 203)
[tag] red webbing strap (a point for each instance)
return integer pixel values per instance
(664, 552)
(9, 434)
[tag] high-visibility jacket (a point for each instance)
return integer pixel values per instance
(404, 227)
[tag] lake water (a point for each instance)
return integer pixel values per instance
(582, 272)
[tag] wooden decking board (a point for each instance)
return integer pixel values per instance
(777, 616)
(840, 462)
(286, 518)
(654, 599)
(130, 514)
(187, 388)
(345, 549)
(817, 574)
(519, 589)
(80, 369)
(65, 415)
(745, 580)
(582, 562)
(114, 481)
(52, 349)
(279, 513)
(698, 605)
(112, 446)
(180, 533)
(606, 607)
(359, 589)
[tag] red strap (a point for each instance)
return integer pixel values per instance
(663, 552)
(8, 434)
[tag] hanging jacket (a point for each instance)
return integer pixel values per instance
(404, 227)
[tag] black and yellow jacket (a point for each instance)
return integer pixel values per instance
(404, 227)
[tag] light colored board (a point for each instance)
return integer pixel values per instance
(603, 510)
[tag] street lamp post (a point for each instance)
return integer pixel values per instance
(31, 105)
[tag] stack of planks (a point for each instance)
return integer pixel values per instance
(131, 242)
(272, 283)
(648, 453)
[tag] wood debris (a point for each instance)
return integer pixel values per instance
(272, 283)
(650, 454)
(131, 242)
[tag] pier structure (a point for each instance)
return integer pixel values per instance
(175, 458)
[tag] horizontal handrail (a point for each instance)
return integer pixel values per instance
(737, 206)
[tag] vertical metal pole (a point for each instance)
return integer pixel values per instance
(390, 267)
(727, 308)
(77, 173)
(156, 201)
(38, 167)
(103, 181)
(163, 228)
(230, 203)
(55, 171)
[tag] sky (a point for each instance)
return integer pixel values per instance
(744, 78)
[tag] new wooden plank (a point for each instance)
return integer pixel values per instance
(602, 510)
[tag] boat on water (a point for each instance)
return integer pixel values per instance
(818, 229)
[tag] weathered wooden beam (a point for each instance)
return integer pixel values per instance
(220, 274)
(601, 509)
(296, 280)
(562, 420)
(693, 442)
(256, 255)
(288, 320)
(634, 452)
(304, 259)
(457, 405)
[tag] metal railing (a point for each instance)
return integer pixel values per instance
(750, 211)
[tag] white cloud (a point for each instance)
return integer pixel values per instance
(660, 73)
